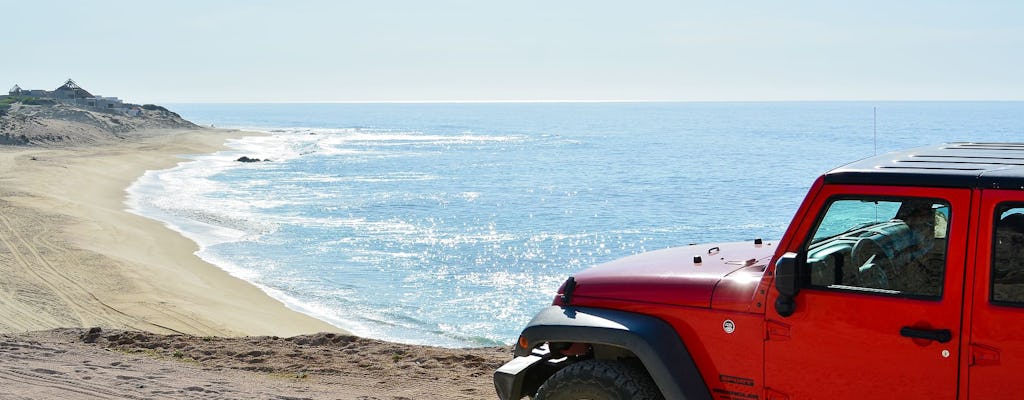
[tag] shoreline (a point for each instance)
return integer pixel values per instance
(74, 256)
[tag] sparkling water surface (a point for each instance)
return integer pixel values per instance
(452, 224)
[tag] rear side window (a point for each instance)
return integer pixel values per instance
(1008, 255)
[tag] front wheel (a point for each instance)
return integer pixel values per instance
(599, 380)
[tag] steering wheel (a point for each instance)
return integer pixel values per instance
(874, 267)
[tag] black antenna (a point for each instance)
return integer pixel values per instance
(874, 139)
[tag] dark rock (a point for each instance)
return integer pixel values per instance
(247, 159)
(93, 334)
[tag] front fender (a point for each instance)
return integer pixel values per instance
(652, 340)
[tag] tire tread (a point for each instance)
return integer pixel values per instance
(599, 380)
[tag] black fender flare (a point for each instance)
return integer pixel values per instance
(653, 340)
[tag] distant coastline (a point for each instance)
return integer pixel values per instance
(71, 115)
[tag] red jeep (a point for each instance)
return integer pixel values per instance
(900, 276)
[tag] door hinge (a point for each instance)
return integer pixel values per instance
(776, 330)
(984, 355)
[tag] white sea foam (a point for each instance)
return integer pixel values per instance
(325, 313)
(291, 143)
(180, 197)
(165, 197)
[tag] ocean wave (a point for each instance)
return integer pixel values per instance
(289, 143)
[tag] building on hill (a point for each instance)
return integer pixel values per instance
(18, 91)
(71, 93)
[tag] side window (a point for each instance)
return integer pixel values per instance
(894, 246)
(1008, 255)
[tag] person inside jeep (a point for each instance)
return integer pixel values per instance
(922, 262)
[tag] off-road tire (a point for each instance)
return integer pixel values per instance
(599, 380)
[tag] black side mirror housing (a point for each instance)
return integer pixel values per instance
(786, 276)
(787, 282)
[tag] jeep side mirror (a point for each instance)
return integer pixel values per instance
(788, 284)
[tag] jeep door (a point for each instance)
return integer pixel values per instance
(996, 322)
(877, 314)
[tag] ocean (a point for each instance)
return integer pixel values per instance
(451, 224)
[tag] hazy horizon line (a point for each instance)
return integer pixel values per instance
(584, 101)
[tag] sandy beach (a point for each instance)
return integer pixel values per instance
(163, 322)
(73, 257)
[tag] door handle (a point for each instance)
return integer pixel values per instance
(938, 335)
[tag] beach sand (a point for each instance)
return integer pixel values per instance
(71, 256)
(77, 364)
(96, 302)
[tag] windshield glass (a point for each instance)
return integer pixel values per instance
(849, 215)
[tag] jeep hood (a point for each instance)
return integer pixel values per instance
(683, 276)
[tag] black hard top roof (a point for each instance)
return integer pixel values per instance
(967, 165)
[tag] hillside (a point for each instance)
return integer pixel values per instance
(61, 124)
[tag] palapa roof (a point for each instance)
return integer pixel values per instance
(70, 85)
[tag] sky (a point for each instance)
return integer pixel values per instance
(524, 50)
